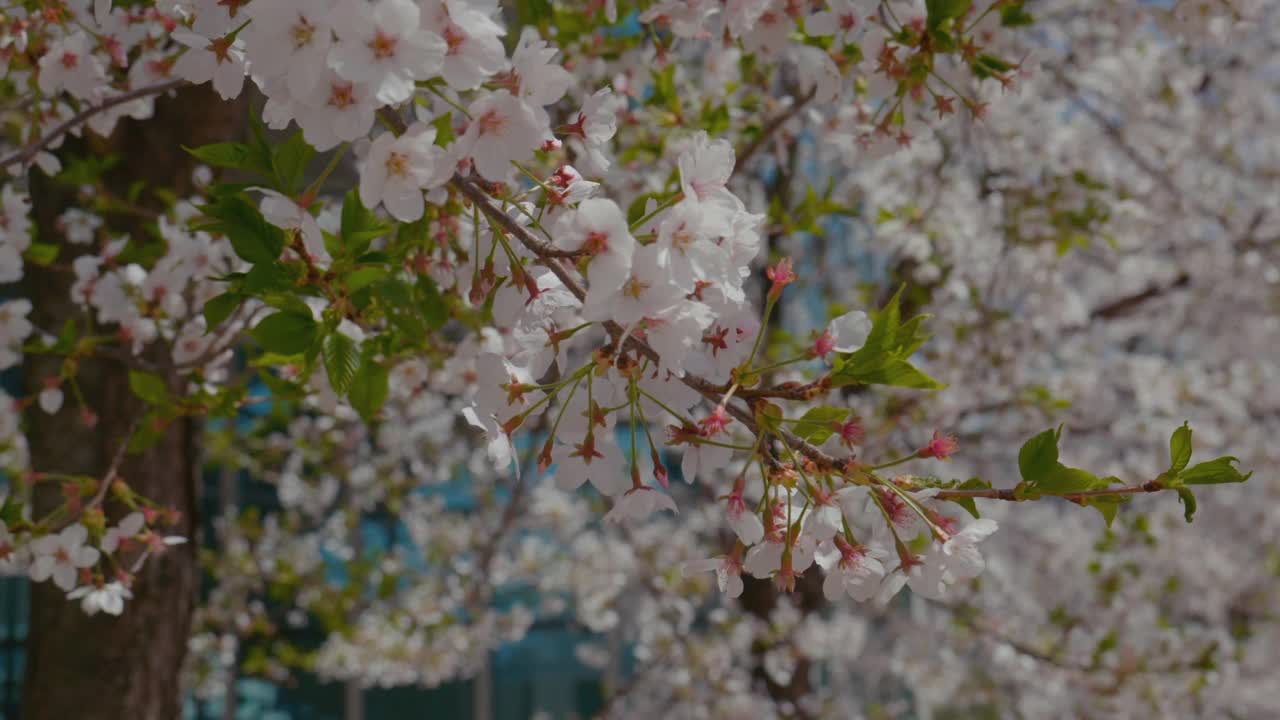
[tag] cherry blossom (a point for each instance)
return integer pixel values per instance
(380, 44)
(502, 130)
(60, 557)
(728, 573)
(598, 228)
(398, 169)
(109, 598)
(637, 504)
(70, 64)
(290, 41)
(220, 61)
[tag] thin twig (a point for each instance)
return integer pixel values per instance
(515, 503)
(30, 151)
(116, 459)
(1008, 494)
(769, 129)
(104, 485)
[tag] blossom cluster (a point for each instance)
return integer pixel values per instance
(580, 247)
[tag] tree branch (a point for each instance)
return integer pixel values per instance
(1124, 305)
(1009, 494)
(707, 389)
(26, 154)
(769, 129)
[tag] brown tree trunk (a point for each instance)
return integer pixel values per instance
(107, 667)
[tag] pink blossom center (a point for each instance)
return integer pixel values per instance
(635, 287)
(302, 32)
(715, 423)
(397, 165)
(703, 188)
(383, 45)
(717, 340)
(342, 95)
(597, 242)
(587, 451)
(896, 509)
(851, 556)
(735, 505)
(940, 446)
(682, 239)
(824, 344)
(491, 123)
(454, 38)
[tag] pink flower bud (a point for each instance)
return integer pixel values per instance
(941, 447)
(781, 275)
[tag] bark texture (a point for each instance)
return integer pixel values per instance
(103, 667)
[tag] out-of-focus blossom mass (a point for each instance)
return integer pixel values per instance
(660, 318)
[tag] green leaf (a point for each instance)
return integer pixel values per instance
(1108, 505)
(11, 512)
(148, 386)
(434, 309)
(900, 373)
(267, 278)
(359, 226)
(1213, 472)
(986, 65)
(398, 302)
(85, 169)
(286, 333)
(41, 253)
(1014, 14)
(364, 277)
(769, 416)
(369, 387)
(281, 389)
(664, 88)
(225, 154)
(290, 161)
(1039, 455)
(444, 129)
(1063, 480)
(531, 12)
(884, 359)
(969, 504)
(288, 302)
(220, 308)
(341, 357)
(816, 425)
(1042, 473)
(149, 432)
(379, 257)
(135, 191)
(715, 118)
(252, 237)
(940, 11)
(260, 147)
(636, 209)
(66, 338)
(237, 156)
(414, 234)
(1188, 500)
(1180, 449)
